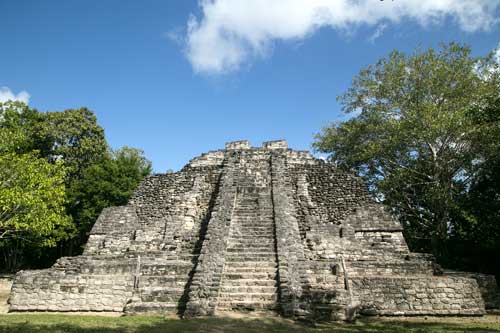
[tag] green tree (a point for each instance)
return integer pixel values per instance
(60, 160)
(72, 136)
(476, 236)
(110, 182)
(32, 199)
(18, 127)
(412, 138)
(32, 191)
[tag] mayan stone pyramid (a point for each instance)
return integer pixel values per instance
(249, 229)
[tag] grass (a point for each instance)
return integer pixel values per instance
(58, 323)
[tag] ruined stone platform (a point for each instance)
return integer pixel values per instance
(246, 229)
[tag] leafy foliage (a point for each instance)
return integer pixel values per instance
(72, 136)
(32, 199)
(110, 182)
(56, 175)
(414, 137)
(32, 191)
(17, 127)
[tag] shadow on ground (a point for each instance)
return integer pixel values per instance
(143, 324)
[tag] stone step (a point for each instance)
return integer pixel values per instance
(255, 215)
(151, 307)
(254, 235)
(269, 252)
(160, 290)
(239, 248)
(252, 247)
(253, 239)
(250, 219)
(253, 229)
(264, 276)
(250, 237)
(247, 257)
(163, 261)
(260, 297)
(251, 282)
(250, 269)
(241, 267)
(252, 243)
(238, 229)
(160, 298)
(248, 289)
(246, 306)
(253, 224)
(161, 295)
(164, 281)
(253, 254)
(252, 264)
(165, 270)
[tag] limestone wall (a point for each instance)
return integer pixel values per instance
(172, 209)
(418, 295)
(334, 194)
(487, 286)
(113, 231)
(74, 285)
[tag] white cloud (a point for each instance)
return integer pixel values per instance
(7, 95)
(378, 32)
(232, 32)
(497, 54)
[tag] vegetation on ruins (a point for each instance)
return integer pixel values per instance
(57, 173)
(425, 135)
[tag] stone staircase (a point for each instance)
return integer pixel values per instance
(160, 285)
(249, 281)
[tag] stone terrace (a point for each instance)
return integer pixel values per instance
(251, 229)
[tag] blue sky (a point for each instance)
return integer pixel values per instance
(178, 78)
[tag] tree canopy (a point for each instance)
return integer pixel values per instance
(72, 135)
(422, 130)
(57, 173)
(109, 182)
(32, 199)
